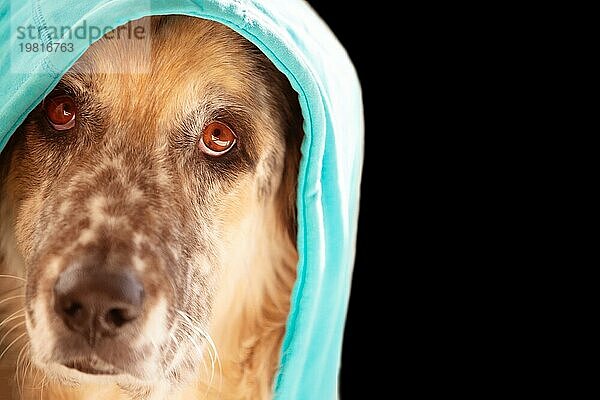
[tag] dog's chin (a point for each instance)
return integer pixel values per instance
(92, 371)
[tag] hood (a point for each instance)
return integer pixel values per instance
(298, 42)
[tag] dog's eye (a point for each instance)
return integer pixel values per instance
(61, 111)
(217, 139)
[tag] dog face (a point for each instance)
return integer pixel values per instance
(130, 195)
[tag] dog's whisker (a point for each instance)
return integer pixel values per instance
(17, 314)
(25, 369)
(11, 330)
(192, 339)
(12, 343)
(188, 334)
(12, 298)
(212, 349)
(42, 389)
(12, 290)
(212, 362)
(173, 352)
(38, 380)
(20, 368)
(12, 277)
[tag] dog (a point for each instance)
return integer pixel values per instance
(148, 222)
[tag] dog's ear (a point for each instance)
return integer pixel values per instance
(289, 184)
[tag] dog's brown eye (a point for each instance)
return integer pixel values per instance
(217, 139)
(61, 112)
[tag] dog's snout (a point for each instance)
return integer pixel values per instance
(96, 303)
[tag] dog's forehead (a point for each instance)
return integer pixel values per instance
(168, 72)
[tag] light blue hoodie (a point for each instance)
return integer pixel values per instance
(304, 49)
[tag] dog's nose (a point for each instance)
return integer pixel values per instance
(97, 303)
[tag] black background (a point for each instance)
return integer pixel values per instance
(353, 30)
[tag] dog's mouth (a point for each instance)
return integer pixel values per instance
(92, 366)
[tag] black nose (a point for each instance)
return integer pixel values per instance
(96, 303)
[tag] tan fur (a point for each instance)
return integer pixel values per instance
(250, 291)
